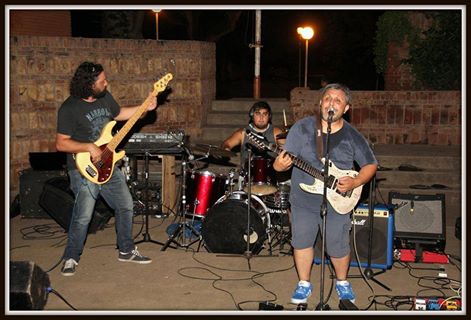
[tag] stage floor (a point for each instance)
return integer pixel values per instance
(183, 281)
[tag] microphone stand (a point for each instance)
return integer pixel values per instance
(322, 305)
(248, 253)
(146, 235)
(368, 272)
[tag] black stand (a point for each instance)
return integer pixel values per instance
(248, 253)
(146, 234)
(368, 272)
(322, 305)
(180, 231)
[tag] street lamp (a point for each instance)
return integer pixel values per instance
(306, 33)
(156, 23)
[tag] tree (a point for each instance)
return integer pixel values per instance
(434, 53)
(435, 58)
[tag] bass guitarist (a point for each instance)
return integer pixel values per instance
(81, 118)
(346, 146)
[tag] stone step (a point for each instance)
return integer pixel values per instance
(420, 156)
(244, 105)
(427, 177)
(240, 119)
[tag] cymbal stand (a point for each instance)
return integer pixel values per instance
(146, 234)
(180, 232)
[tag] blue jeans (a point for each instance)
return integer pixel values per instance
(117, 196)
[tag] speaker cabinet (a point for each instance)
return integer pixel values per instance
(58, 201)
(31, 185)
(382, 238)
(419, 218)
(28, 286)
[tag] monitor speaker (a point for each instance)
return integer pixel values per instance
(382, 238)
(31, 186)
(58, 201)
(419, 218)
(28, 286)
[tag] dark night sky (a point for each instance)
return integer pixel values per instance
(341, 50)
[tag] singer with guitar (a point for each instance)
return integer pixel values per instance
(346, 146)
(81, 119)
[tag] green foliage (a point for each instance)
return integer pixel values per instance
(435, 59)
(392, 27)
(434, 54)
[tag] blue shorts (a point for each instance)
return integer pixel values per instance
(306, 223)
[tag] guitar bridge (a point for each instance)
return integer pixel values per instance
(91, 171)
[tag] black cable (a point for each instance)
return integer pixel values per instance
(24, 246)
(44, 231)
(221, 279)
(61, 297)
(55, 266)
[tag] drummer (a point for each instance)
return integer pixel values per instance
(260, 124)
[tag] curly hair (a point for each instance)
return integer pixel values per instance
(81, 85)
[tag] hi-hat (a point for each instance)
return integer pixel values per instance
(282, 135)
(211, 150)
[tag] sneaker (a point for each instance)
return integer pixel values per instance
(344, 291)
(68, 269)
(302, 292)
(134, 256)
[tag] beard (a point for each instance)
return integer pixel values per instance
(99, 94)
(260, 127)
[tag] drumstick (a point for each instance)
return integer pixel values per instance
(284, 118)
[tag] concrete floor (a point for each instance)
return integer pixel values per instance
(182, 281)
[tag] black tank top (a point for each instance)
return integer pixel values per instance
(268, 135)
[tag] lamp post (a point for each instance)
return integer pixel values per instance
(306, 33)
(156, 23)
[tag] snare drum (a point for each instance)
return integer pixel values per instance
(203, 189)
(224, 229)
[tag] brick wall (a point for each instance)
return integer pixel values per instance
(396, 117)
(41, 68)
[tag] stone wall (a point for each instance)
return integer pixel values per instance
(41, 68)
(396, 117)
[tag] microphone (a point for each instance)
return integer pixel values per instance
(331, 113)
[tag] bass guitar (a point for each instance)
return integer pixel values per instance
(100, 172)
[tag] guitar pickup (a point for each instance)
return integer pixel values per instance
(91, 171)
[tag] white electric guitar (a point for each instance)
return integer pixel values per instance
(100, 172)
(342, 202)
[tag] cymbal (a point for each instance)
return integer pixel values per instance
(211, 150)
(282, 135)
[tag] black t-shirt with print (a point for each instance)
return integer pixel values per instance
(83, 121)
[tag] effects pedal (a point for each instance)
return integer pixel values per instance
(346, 304)
(301, 307)
(269, 306)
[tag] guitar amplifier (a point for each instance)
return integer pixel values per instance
(382, 238)
(58, 201)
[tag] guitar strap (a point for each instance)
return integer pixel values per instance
(318, 133)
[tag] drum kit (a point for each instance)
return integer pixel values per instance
(215, 206)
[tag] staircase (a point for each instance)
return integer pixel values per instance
(226, 116)
(438, 166)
